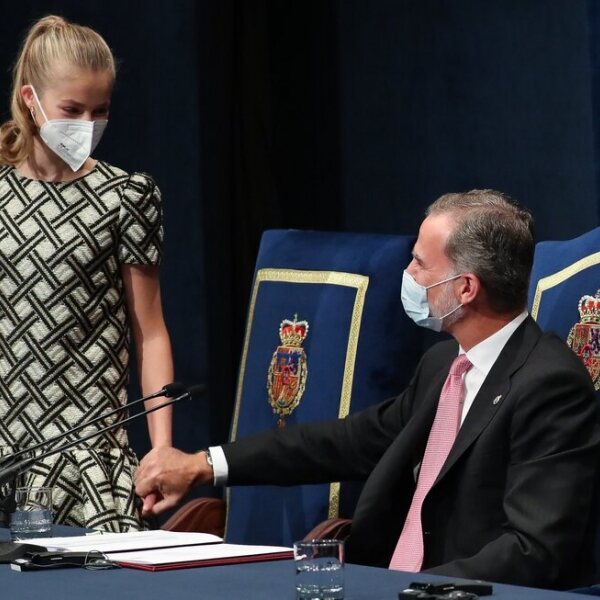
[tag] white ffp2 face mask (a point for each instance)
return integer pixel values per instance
(71, 139)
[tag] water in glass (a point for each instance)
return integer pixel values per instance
(27, 524)
(320, 579)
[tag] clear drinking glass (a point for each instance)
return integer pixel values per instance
(319, 569)
(33, 513)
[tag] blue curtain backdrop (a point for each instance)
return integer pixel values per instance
(329, 114)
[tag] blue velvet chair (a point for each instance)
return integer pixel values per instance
(564, 295)
(564, 298)
(326, 335)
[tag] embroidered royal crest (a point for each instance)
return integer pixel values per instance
(584, 337)
(286, 379)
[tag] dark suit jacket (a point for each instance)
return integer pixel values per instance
(515, 501)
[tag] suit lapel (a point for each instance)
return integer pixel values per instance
(494, 391)
(407, 450)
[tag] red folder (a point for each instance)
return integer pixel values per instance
(210, 562)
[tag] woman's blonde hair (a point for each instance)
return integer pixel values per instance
(51, 41)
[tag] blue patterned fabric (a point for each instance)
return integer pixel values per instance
(564, 272)
(359, 349)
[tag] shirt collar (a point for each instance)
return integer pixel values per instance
(484, 355)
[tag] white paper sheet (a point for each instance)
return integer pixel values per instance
(119, 542)
(166, 556)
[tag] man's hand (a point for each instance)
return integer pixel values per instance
(166, 475)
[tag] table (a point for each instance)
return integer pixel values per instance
(253, 581)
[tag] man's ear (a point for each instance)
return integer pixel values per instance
(469, 288)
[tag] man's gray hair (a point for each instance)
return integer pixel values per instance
(493, 238)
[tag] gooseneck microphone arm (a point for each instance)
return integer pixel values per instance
(15, 469)
(169, 390)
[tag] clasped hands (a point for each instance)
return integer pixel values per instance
(165, 476)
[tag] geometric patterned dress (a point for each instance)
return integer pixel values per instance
(64, 331)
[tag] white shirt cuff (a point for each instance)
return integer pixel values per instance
(220, 467)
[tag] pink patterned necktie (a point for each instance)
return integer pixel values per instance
(408, 555)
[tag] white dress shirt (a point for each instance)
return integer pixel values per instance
(482, 357)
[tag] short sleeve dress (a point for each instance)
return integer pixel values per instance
(64, 331)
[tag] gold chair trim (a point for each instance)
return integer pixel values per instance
(351, 280)
(550, 281)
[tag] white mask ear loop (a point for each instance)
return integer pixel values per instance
(38, 103)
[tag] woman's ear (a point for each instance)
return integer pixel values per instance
(27, 95)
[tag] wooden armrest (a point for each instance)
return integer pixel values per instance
(206, 515)
(331, 529)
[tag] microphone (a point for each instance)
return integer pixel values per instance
(6, 474)
(169, 390)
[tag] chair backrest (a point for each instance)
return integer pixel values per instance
(326, 335)
(564, 295)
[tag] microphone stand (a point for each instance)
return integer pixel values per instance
(169, 390)
(16, 468)
(7, 504)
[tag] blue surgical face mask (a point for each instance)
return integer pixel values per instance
(416, 306)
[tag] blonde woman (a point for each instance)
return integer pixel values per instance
(80, 244)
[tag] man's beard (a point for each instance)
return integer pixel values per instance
(445, 303)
